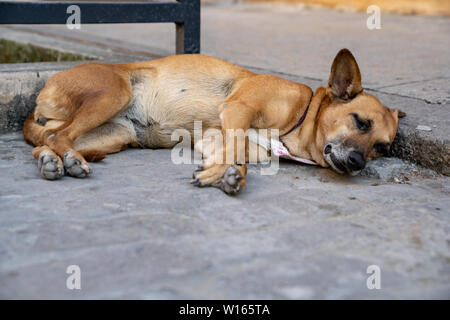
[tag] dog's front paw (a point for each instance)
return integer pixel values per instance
(50, 165)
(228, 178)
(75, 164)
(232, 181)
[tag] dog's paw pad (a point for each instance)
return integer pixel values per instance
(75, 166)
(50, 165)
(230, 183)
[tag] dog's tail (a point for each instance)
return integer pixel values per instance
(92, 155)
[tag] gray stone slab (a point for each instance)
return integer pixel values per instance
(138, 229)
(18, 93)
(435, 91)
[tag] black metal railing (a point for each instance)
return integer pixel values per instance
(184, 13)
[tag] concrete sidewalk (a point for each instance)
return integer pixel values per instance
(138, 229)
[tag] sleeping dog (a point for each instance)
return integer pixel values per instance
(93, 109)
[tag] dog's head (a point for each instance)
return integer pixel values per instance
(354, 126)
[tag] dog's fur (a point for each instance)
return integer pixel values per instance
(94, 109)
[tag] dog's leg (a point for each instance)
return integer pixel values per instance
(49, 163)
(211, 150)
(230, 175)
(109, 138)
(260, 101)
(93, 112)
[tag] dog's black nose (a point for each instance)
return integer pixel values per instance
(356, 161)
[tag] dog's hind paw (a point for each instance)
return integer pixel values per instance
(50, 165)
(75, 165)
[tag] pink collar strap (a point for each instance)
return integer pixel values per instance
(276, 146)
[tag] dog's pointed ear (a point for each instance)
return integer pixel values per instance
(345, 78)
(401, 114)
(397, 113)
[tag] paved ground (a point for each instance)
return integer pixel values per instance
(138, 229)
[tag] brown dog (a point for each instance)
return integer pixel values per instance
(94, 109)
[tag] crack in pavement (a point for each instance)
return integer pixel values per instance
(411, 82)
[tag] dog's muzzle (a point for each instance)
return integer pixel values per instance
(343, 160)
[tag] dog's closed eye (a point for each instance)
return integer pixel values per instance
(363, 125)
